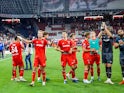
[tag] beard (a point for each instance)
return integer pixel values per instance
(121, 35)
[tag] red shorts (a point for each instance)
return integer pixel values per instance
(39, 61)
(86, 59)
(66, 58)
(74, 59)
(17, 61)
(95, 58)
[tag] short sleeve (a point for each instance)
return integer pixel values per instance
(33, 41)
(84, 44)
(45, 42)
(59, 43)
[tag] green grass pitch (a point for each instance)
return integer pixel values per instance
(55, 85)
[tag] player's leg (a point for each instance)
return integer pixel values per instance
(13, 72)
(63, 64)
(122, 70)
(43, 64)
(71, 72)
(72, 63)
(64, 74)
(21, 73)
(92, 72)
(39, 74)
(108, 65)
(108, 73)
(33, 76)
(98, 66)
(68, 74)
(86, 71)
(21, 69)
(91, 67)
(87, 62)
(43, 72)
(36, 64)
(73, 68)
(98, 72)
(15, 64)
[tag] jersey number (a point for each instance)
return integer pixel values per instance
(14, 49)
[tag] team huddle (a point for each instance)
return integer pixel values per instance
(92, 45)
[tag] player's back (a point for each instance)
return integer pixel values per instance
(16, 49)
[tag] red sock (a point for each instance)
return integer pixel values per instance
(91, 71)
(44, 76)
(33, 75)
(98, 71)
(21, 73)
(14, 73)
(73, 74)
(85, 74)
(64, 74)
(39, 72)
(75, 67)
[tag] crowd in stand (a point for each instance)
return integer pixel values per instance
(75, 25)
(6, 38)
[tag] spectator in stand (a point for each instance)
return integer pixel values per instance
(2, 48)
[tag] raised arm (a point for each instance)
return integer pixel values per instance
(25, 40)
(108, 31)
(99, 35)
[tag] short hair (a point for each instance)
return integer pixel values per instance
(93, 31)
(40, 30)
(45, 33)
(72, 34)
(64, 31)
(86, 34)
(16, 38)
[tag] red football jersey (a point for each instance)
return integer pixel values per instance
(74, 44)
(65, 45)
(39, 46)
(86, 45)
(16, 49)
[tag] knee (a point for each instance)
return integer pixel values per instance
(63, 68)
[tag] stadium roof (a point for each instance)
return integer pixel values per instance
(53, 8)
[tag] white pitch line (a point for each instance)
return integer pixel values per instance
(4, 59)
